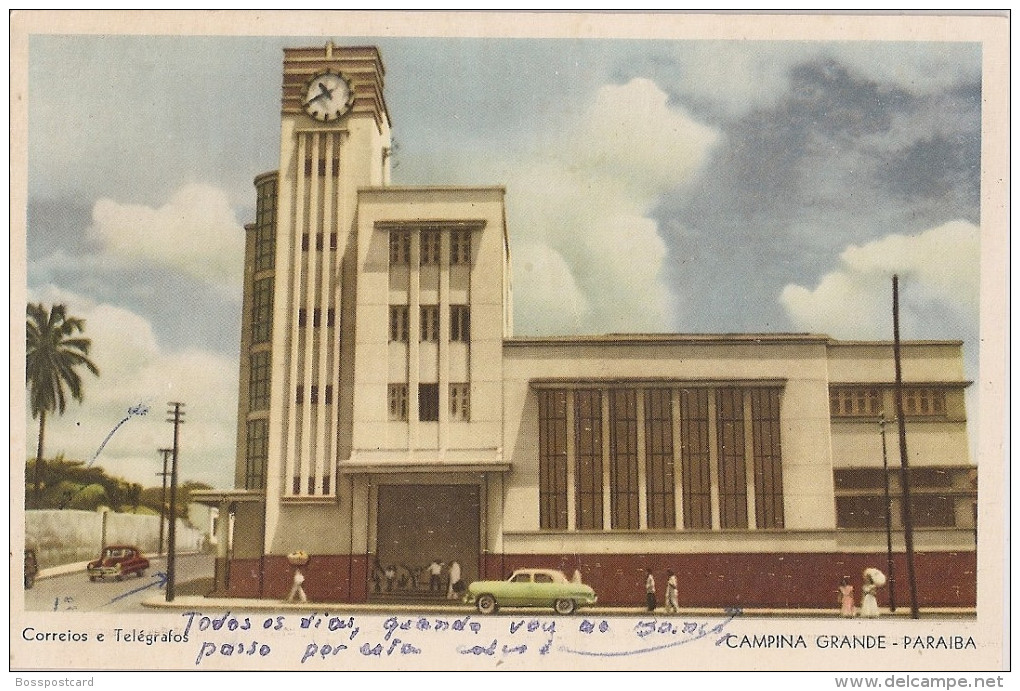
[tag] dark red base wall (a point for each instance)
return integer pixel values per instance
(944, 579)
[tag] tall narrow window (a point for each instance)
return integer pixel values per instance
(257, 454)
(732, 468)
(400, 246)
(428, 402)
(588, 452)
(258, 381)
(695, 459)
(552, 459)
(623, 459)
(460, 323)
(460, 402)
(460, 247)
(430, 323)
(397, 394)
(659, 458)
(262, 311)
(429, 247)
(768, 458)
(398, 323)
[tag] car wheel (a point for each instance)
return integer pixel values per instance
(486, 604)
(564, 606)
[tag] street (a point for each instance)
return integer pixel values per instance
(74, 592)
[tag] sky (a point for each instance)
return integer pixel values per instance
(692, 186)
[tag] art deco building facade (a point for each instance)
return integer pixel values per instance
(389, 418)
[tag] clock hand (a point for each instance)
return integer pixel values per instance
(315, 98)
(328, 93)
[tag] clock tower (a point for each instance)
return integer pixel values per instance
(295, 405)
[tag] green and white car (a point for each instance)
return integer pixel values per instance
(530, 588)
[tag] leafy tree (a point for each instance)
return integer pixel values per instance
(55, 351)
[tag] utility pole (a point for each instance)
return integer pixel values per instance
(171, 558)
(908, 520)
(162, 507)
(888, 518)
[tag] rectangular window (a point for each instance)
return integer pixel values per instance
(299, 394)
(429, 247)
(588, 452)
(398, 323)
(428, 402)
(659, 458)
(855, 401)
(732, 469)
(924, 402)
(696, 481)
(768, 458)
(460, 247)
(460, 402)
(552, 459)
(314, 393)
(265, 226)
(302, 317)
(329, 394)
(305, 242)
(262, 311)
(400, 247)
(935, 493)
(460, 323)
(257, 454)
(397, 394)
(258, 381)
(623, 459)
(332, 246)
(430, 323)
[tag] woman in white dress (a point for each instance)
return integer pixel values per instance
(869, 601)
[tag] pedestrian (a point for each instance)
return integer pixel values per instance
(846, 598)
(672, 601)
(455, 587)
(873, 579)
(435, 571)
(650, 590)
(296, 590)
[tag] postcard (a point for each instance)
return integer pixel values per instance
(391, 341)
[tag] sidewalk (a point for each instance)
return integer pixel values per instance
(206, 604)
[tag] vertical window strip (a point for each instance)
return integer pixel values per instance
(400, 247)
(659, 458)
(429, 247)
(460, 323)
(460, 247)
(552, 442)
(257, 454)
(258, 381)
(696, 482)
(262, 311)
(768, 465)
(428, 402)
(588, 452)
(623, 460)
(732, 468)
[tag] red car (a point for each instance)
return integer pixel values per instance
(117, 561)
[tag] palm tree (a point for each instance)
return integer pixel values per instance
(54, 352)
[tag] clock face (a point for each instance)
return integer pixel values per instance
(327, 96)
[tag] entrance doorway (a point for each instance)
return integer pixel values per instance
(419, 524)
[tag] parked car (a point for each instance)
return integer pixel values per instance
(117, 561)
(530, 588)
(31, 567)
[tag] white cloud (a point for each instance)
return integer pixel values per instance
(135, 369)
(544, 282)
(588, 203)
(195, 232)
(940, 265)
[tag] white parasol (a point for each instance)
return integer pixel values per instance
(876, 576)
